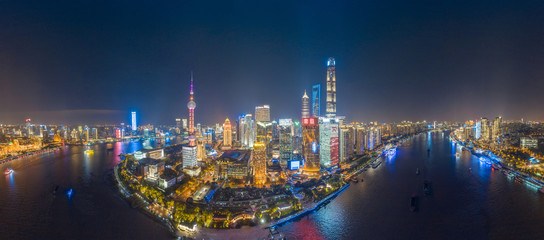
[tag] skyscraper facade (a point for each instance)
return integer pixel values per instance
(262, 113)
(310, 144)
(227, 134)
(286, 140)
(133, 120)
(259, 163)
(329, 151)
(496, 131)
(247, 131)
(316, 99)
(184, 123)
(486, 133)
(189, 154)
(331, 88)
(305, 106)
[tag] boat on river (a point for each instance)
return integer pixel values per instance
(8, 171)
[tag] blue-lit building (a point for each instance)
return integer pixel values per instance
(316, 98)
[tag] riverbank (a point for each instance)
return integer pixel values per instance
(29, 154)
(497, 163)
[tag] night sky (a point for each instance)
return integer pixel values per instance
(94, 61)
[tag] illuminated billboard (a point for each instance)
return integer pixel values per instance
(294, 165)
(314, 147)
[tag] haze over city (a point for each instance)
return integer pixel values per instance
(93, 62)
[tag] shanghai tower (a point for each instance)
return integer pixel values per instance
(331, 88)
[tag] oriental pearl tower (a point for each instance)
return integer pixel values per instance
(191, 105)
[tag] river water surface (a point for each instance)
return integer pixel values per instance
(480, 203)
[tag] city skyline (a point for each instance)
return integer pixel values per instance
(454, 66)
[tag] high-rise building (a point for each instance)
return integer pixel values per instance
(328, 142)
(263, 132)
(259, 163)
(189, 156)
(201, 148)
(227, 134)
(305, 106)
(262, 113)
(496, 133)
(331, 88)
(345, 146)
(359, 140)
(310, 144)
(133, 121)
(178, 125)
(247, 130)
(486, 133)
(316, 99)
(184, 123)
(87, 133)
(478, 130)
(286, 140)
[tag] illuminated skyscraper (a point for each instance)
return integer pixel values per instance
(134, 126)
(328, 142)
(262, 113)
(189, 156)
(496, 131)
(247, 130)
(227, 134)
(305, 106)
(201, 148)
(310, 144)
(184, 123)
(259, 163)
(331, 88)
(486, 133)
(316, 99)
(286, 140)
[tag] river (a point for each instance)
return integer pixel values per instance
(480, 203)
(470, 200)
(29, 210)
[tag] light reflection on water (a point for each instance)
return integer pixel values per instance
(478, 204)
(30, 210)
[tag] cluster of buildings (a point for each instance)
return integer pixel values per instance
(257, 149)
(503, 134)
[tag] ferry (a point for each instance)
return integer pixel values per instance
(8, 171)
(376, 165)
(89, 151)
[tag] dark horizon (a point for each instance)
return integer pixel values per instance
(88, 62)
